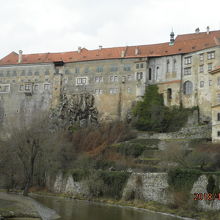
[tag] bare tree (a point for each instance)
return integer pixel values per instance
(26, 141)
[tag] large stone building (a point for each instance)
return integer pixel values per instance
(117, 77)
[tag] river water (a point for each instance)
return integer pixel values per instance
(70, 209)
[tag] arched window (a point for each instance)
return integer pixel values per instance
(150, 74)
(157, 73)
(168, 66)
(188, 88)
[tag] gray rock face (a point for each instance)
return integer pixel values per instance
(76, 109)
(148, 186)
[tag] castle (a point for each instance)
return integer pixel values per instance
(186, 70)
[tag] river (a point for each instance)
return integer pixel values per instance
(70, 209)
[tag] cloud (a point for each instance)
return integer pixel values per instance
(63, 25)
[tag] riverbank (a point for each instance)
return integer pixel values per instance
(148, 206)
(18, 207)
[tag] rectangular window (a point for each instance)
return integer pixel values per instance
(218, 133)
(218, 116)
(27, 87)
(211, 55)
(201, 57)
(123, 79)
(86, 70)
(187, 71)
(21, 88)
(46, 87)
(137, 66)
(129, 90)
(113, 90)
(113, 78)
(98, 91)
(218, 81)
(201, 84)
(113, 68)
(4, 88)
(36, 87)
(141, 65)
(209, 66)
(77, 70)
(188, 60)
(139, 75)
(201, 68)
(99, 69)
(127, 67)
(98, 79)
(218, 98)
(81, 81)
(129, 78)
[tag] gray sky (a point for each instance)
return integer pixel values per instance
(62, 25)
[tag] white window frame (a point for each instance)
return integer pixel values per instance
(188, 60)
(211, 55)
(47, 86)
(6, 86)
(187, 71)
(81, 81)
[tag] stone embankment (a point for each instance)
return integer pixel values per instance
(19, 207)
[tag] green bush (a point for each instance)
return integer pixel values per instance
(133, 150)
(152, 115)
(182, 179)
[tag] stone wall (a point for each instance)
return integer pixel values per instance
(195, 132)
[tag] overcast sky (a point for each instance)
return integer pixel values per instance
(62, 25)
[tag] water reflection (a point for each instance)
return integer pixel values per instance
(70, 209)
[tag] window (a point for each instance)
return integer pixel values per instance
(210, 82)
(36, 73)
(141, 65)
(209, 66)
(98, 91)
(169, 93)
(218, 133)
(201, 57)
(129, 90)
(127, 67)
(150, 74)
(77, 70)
(201, 84)
(218, 116)
(188, 88)
(218, 98)
(113, 90)
(168, 66)
(30, 73)
(86, 70)
(129, 77)
(211, 55)
(23, 73)
(8, 74)
(113, 78)
(4, 88)
(187, 71)
(123, 79)
(98, 79)
(137, 66)
(174, 65)
(113, 68)
(139, 75)
(201, 68)
(36, 87)
(27, 87)
(81, 81)
(218, 81)
(46, 87)
(188, 60)
(99, 69)
(47, 72)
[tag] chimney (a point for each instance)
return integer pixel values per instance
(79, 49)
(100, 47)
(197, 30)
(208, 30)
(122, 53)
(136, 51)
(20, 56)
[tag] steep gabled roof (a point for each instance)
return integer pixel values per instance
(185, 43)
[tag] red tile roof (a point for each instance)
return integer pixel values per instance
(183, 44)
